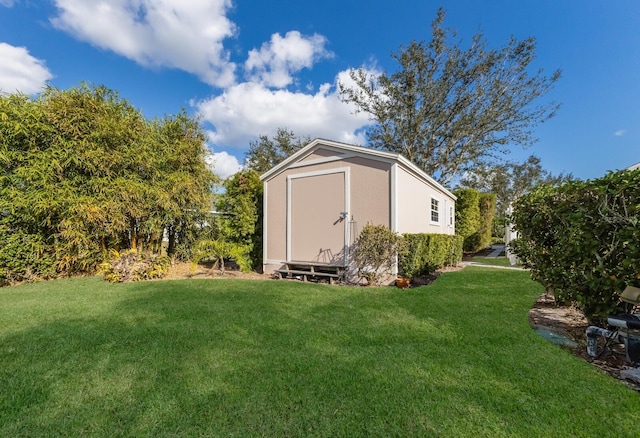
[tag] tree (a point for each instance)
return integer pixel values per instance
(510, 180)
(25, 252)
(268, 152)
(83, 172)
(241, 204)
(447, 109)
(183, 179)
(81, 181)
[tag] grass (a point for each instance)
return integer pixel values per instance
(268, 358)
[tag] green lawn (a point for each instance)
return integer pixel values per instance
(277, 358)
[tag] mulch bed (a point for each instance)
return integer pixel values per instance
(571, 323)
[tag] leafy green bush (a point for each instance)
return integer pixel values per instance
(219, 250)
(481, 238)
(242, 224)
(24, 257)
(374, 253)
(467, 211)
(134, 266)
(426, 253)
(82, 172)
(582, 239)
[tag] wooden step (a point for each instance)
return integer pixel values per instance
(289, 273)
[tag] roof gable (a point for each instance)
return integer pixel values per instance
(345, 150)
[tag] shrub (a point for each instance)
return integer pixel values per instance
(582, 239)
(481, 238)
(426, 253)
(242, 225)
(467, 212)
(219, 250)
(474, 218)
(134, 266)
(24, 257)
(374, 253)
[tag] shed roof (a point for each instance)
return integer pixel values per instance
(358, 151)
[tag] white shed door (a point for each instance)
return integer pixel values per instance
(317, 218)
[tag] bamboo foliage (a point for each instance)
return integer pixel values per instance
(85, 172)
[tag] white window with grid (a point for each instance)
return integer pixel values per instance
(435, 211)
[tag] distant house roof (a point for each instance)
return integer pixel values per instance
(359, 150)
(634, 167)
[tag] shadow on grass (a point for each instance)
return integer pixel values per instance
(272, 358)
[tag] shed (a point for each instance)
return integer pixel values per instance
(317, 201)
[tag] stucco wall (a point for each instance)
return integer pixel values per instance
(369, 198)
(275, 226)
(380, 190)
(370, 193)
(414, 206)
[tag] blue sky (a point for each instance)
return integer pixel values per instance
(249, 67)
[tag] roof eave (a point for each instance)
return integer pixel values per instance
(392, 156)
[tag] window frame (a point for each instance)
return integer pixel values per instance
(450, 216)
(434, 202)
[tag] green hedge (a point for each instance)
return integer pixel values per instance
(425, 253)
(481, 238)
(582, 239)
(467, 212)
(474, 218)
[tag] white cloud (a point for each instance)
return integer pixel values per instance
(247, 110)
(19, 71)
(8, 3)
(223, 164)
(620, 132)
(187, 35)
(276, 61)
